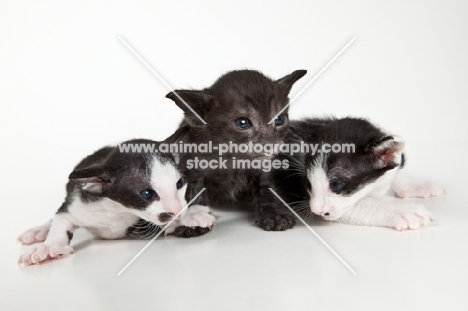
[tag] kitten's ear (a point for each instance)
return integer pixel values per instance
(177, 135)
(193, 103)
(388, 150)
(92, 178)
(286, 83)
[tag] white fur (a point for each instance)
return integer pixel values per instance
(387, 212)
(35, 235)
(42, 252)
(106, 219)
(163, 180)
(56, 243)
(372, 205)
(407, 188)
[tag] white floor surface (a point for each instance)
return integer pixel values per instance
(240, 267)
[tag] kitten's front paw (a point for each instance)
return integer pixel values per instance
(275, 222)
(42, 252)
(412, 219)
(34, 235)
(198, 216)
(418, 190)
(198, 221)
(190, 232)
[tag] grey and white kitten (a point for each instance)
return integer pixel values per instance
(114, 195)
(357, 187)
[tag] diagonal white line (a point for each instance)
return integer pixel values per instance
(313, 79)
(160, 79)
(315, 233)
(163, 229)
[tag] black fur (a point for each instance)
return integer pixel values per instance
(117, 175)
(243, 93)
(354, 170)
(187, 232)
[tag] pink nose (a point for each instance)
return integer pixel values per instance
(316, 211)
(172, 206)
(317, 205)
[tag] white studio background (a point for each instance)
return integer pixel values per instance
(68, 86)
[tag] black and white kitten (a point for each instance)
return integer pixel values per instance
(237, 108)
(116, 194)
(352, 187)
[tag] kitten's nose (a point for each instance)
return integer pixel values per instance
(172, 205)
(165, 217)
(317, 208)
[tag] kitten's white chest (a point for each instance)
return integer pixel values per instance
(105, 218)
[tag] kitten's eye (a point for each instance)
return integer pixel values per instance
(148, 194)
(279, 120)
(336, 186)
(243, 123)
(180, 183)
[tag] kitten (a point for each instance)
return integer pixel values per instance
(115, 194)
(352, 187)
(237, 108)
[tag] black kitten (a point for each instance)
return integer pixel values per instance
(237, 108)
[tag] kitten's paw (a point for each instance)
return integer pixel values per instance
(190, 232)
(418, 190)
(197, 216)
(42, 252)
(34, 235)
(275, 222)
(412, 219)
(198, 221)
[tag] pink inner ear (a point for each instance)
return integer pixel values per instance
(92, 184)
(390, 151)
(387, 155)
(91, 180)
